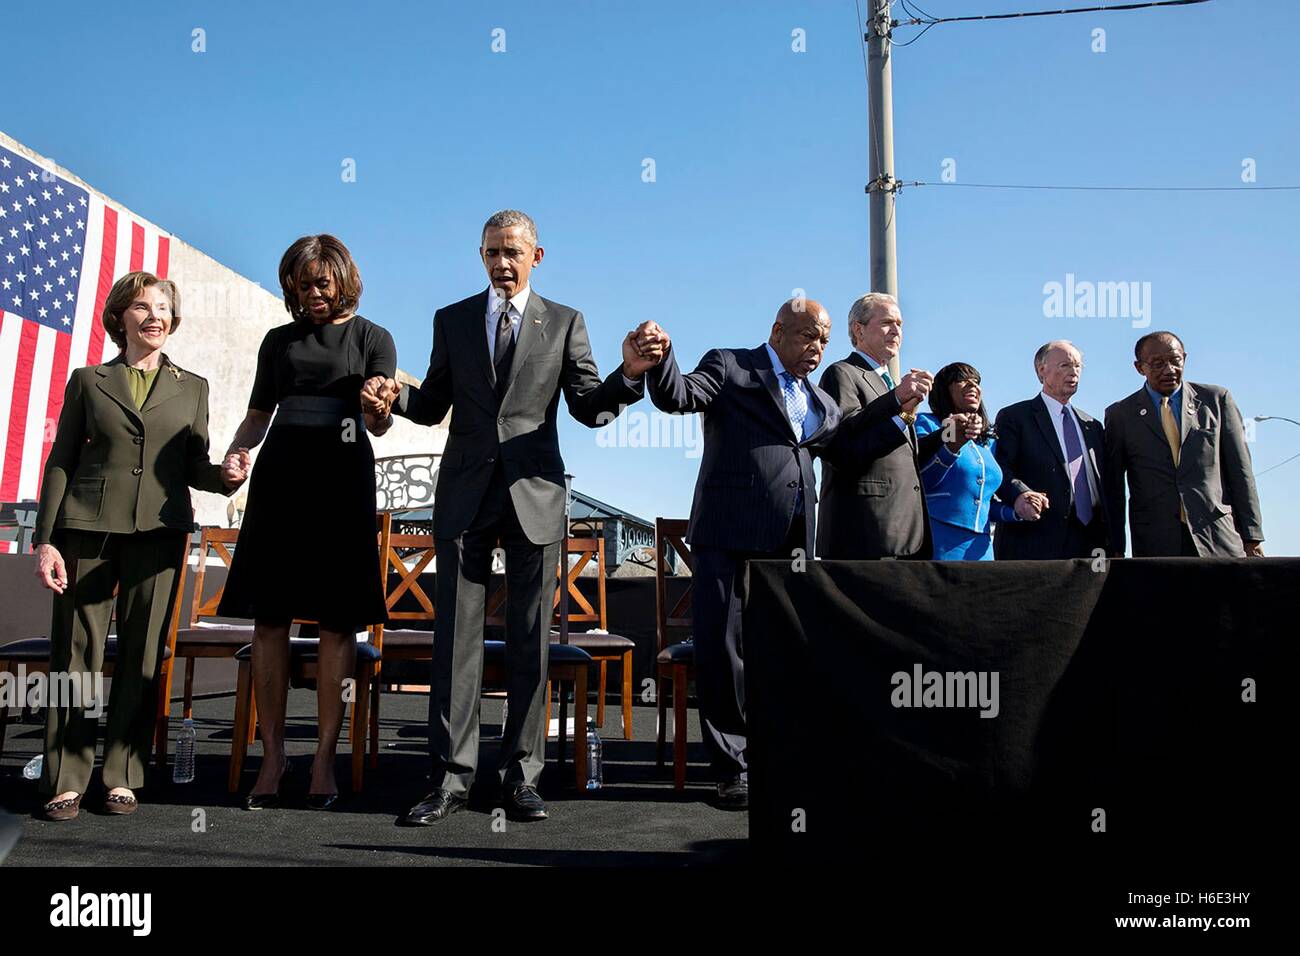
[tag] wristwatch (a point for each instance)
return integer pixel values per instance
(909, 418)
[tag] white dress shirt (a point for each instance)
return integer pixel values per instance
(516, 304)
(1054, 413)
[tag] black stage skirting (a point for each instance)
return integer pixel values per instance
(1118, 691)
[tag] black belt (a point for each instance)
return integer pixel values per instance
(315, 410)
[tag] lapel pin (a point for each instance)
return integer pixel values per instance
(1142, 411)
(537, 321)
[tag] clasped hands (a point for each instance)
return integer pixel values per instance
(643, 349)
(961, 427)
(1030, 505)
(236, 467)
(378, 395)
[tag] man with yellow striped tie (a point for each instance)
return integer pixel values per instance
(1182, 447)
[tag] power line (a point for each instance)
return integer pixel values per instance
(1165, 189)
(1278, 465)
(931, 21)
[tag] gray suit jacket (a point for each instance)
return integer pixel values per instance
(1214, 480)
(876, 509)
(552, 355)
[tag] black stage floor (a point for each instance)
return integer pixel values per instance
(637, 819)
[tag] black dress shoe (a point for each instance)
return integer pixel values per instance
(436, 806)
(733, 794)
(524, 804)
(322, 801)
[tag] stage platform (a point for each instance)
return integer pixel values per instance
(637, 819)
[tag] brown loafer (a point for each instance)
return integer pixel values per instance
(120, 804)
(60, 810)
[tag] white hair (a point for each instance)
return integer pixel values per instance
(861, 310)
(1041, 355)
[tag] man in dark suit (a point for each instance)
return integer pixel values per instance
(501, 359)
(1051, 454)
(877, 510)
(755, 497)
(1183, 448)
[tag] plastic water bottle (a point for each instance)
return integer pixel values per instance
(34, 766)
(183, 770)
(595, 763)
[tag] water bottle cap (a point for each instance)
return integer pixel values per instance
(188, 723)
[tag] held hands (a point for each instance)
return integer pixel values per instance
(916, 384)
(50, 568)
(643, 349)
(1254, 549)
(960, 428)
(1030, 505)
(236, 467)
(378, 395)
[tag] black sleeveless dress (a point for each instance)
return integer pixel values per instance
(307, 544)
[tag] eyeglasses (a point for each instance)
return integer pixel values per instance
(1160, 364)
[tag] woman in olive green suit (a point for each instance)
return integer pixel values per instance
(114, 513)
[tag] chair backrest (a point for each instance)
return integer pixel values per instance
(399, 580)
(590, 545)
(215, 541)
(670, 533)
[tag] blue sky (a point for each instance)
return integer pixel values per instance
(760, 159)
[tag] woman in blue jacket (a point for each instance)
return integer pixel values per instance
(962, 478)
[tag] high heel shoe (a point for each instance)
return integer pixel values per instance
(321, 801)
(267, 801)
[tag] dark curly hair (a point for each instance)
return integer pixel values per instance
(941, 395)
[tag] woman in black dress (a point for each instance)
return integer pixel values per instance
(307, 545)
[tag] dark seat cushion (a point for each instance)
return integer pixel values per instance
(37, 650)
(683, 653)
(597, 643)
(223, 635)
(494, 654)
(303, 650)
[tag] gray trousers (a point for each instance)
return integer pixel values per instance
(464, 572)
(143, 566)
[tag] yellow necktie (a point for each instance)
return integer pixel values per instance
(1170, 425)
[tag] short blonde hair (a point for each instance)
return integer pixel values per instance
(124, 292)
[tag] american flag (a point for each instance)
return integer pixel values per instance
(61, 248)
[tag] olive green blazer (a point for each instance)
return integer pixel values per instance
(115, 468)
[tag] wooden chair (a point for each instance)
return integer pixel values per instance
(675, 663)
(401, 644)
(303, 672)
(604, 648)
(197, 639)
(34, 655)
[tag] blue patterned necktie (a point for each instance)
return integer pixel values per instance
(1078, 468)
(796, 402)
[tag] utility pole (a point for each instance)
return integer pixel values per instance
(881, 189)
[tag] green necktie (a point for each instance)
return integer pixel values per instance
(884, 373)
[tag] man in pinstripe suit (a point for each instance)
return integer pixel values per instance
(755, 496)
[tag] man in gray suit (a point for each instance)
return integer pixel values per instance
(501, 359)
(1183, 449)
(878, 510)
